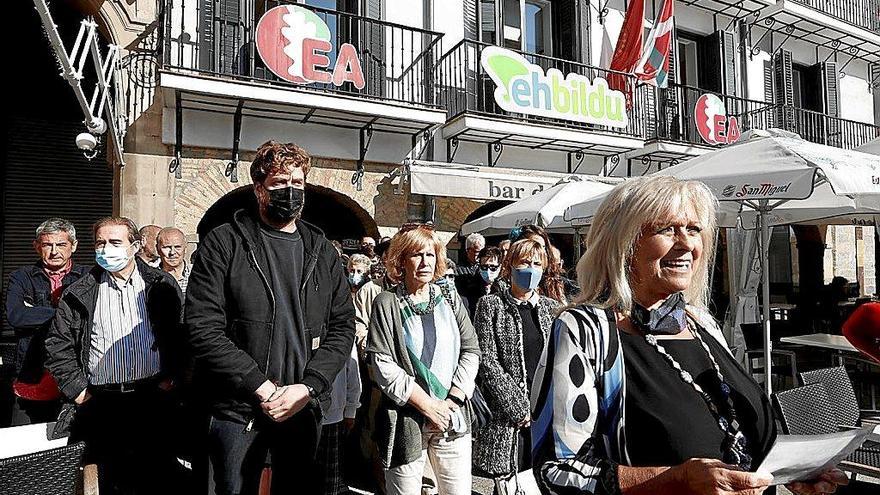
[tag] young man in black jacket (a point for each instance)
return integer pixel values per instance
(270, 323)
(114, 348)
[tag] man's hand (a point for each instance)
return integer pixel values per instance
(348, 424)
(826, 483)
(82, 397)
(287, 401)
(265, 391)
(166, 385)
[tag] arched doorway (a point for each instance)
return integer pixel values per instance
(338, 216)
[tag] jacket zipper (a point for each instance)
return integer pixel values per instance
(272, 298)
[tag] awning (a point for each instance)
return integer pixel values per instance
(477, 182)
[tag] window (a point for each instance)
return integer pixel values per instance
(797, 84)
(688, 68)
(525, 24)
(537, 27)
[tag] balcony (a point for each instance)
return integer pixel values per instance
(211, 55)
(864, 14)
(468, 93)
(820, 128)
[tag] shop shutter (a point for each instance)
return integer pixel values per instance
(471, 31)
(45, 175)
(784, 91)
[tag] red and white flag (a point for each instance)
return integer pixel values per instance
(629, 46)
(653, 66)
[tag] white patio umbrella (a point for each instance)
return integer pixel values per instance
(544, 209)
(872, 147)
(767, 180)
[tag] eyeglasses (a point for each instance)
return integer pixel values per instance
(429, 226)
(450, 276)
(491, 268)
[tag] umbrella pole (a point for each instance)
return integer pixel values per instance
(765, 297)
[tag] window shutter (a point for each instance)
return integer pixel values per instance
(229, 37)
(784, 91)
(565, 38)
(206, 35)
(717, 53)
(584, 26)
(728, 56)
(471, 30)
(668, 98)
(831, 103)
(768, 98)
(487, 22)
(374, 49)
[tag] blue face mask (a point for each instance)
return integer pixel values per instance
(527, 278)
(112, 258)
(489, 276)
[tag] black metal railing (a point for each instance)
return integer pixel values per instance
(822, 128)
(860, 13)
(675, 119)
(218, 37)
(464, 86)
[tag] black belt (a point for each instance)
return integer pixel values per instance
(141, 385)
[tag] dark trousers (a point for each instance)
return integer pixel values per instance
(238, 455)
(29, 412)
(129, 436)
(331, 459)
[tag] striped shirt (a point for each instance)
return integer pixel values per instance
(122, 340)
(184, 277)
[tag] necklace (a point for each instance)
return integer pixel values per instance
(429, 308)
(735, 443)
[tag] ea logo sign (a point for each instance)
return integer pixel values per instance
(294, 42)
(713, 124)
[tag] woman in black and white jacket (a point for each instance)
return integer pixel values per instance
(512, 326)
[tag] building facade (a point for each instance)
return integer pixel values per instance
(402, 116)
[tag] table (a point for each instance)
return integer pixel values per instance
(822, 340)
(20, 440)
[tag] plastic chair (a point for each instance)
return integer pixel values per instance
(50, 472)
(840, 392)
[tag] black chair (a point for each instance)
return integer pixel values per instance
(753, 335)
(56, 471)
(840, 392)
(806, 410)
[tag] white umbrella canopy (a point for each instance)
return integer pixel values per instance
(544, 209)
(773, 178)
(872, 147)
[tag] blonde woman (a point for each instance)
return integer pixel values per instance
(637, 391)
(513, 325)
(425, 357)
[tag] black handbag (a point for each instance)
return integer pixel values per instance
(482, 414)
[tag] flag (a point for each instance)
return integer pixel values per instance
(653, 66)
(629, 46)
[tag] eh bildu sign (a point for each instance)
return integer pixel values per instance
(523, 87)
(294, 43)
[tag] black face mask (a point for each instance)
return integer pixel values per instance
(668, 319)
(285, 204)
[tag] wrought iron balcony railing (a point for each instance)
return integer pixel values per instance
(219, 38)
(465, 86)
(864, 14)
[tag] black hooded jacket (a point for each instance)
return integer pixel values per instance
(230, 314)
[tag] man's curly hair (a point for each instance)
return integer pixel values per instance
(273, 157)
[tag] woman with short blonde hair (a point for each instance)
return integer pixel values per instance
(512, 324)
(637, 391)
(425, 357)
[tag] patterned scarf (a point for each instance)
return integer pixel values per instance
(433, 343)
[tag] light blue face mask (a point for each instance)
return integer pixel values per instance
(356, 279)
(489, 276)
(112, 258)
(527, 278)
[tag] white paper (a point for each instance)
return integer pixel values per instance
(804, 457)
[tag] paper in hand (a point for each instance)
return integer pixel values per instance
(805, 457)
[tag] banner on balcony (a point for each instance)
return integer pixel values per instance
(295, 44)
(713, 124)
(523, 87)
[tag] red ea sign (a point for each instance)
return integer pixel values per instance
(294, 42)
(713, 124)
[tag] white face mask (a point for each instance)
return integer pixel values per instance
(112, 258)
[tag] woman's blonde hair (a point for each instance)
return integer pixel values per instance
(405, 243)
(523, 249)
(603, 271)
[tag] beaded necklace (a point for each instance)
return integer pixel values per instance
(429, 308)
(735, 443)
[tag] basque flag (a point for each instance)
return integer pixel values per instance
(653, 67)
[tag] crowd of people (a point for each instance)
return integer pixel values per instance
(275, 348)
